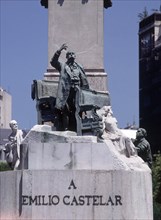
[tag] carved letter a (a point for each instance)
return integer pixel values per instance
(72, 185)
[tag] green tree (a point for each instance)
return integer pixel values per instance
(143, 14)
(156, 174)
(4, 166)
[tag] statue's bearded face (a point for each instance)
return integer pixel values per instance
(70, 56)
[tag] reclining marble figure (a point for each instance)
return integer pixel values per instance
(122, 144)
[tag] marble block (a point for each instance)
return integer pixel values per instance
(75, 195)
(67, 177)
(43, 148)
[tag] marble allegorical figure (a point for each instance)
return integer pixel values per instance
(111, 132)
(12, 148)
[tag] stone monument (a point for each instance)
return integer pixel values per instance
(92, 172)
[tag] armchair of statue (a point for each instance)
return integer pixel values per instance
(44, 92)
(87, 102)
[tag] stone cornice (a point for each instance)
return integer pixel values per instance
(107, 3)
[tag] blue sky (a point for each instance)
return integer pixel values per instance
(23, 55)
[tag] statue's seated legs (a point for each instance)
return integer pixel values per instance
(65, 119)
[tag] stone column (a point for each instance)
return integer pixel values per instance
(80, 25)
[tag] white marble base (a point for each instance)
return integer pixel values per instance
(67, 177)
(75, 195)
(47, 149)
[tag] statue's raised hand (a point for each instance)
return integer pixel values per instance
(63, 47)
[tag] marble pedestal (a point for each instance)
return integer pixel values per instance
(71, 178)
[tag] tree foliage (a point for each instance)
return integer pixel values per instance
(143, 14)
(156, 171)
(156, 174)
(4, 166)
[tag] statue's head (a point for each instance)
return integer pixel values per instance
(13, 125)
(141, 132)
(70, 55)
(107, 110)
